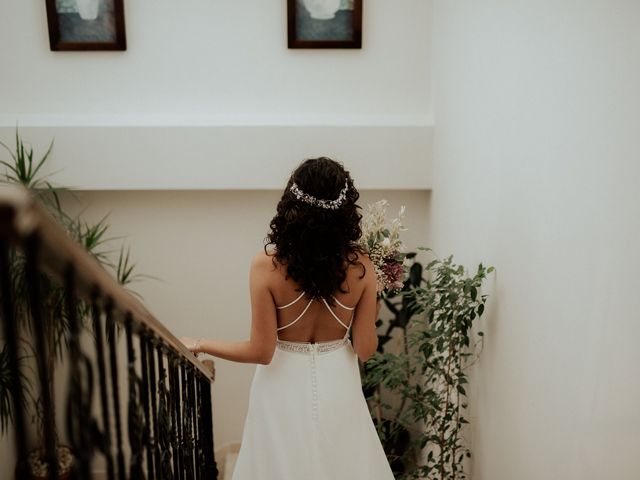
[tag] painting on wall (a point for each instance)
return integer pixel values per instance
(325, 23)
(86, 24)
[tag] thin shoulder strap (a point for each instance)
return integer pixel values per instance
(336, 317)
(291, 303)
(342, 304)
(299, 316)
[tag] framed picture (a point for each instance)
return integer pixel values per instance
(324, 23)
(86, 24)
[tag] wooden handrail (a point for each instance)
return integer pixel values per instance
(21, 216)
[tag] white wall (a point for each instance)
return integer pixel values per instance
(536, 172)
(223, 157)
(217, 57)
(184, 105)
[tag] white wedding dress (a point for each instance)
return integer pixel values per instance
(308, 418)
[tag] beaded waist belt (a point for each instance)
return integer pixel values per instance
(309, 347)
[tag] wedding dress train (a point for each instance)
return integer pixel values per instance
(308, 418)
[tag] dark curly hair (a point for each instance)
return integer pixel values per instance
(316, 244)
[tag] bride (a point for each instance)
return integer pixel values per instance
(313, 302)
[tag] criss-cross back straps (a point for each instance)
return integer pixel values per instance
(291, 303)
(299, 316)
(309, 304)
(342, 304)
(336, 317)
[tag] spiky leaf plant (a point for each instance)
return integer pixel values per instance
(24, 169)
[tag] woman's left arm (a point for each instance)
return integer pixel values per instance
(262, 343)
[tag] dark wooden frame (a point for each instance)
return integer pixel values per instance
(295, 43)
(56, 44)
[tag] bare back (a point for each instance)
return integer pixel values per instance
(301, 319)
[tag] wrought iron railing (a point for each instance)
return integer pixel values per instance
(152, 415)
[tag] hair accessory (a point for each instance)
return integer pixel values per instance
(311, 200)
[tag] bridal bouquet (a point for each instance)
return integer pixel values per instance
(381, 240)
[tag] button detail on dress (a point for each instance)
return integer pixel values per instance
(314, 382)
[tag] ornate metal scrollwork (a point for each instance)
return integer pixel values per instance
(82, 428)
(165, 428)
(135, 412)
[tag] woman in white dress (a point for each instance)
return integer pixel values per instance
(313, 300)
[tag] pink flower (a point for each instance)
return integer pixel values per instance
(394, 274)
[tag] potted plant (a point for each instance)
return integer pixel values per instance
(421, 429)
(395, 437)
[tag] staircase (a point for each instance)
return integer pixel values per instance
(136, 400)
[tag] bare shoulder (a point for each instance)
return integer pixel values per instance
(262, 261)
(362, 267)
(363, 258)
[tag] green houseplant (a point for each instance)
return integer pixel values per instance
(23, 169)
(395, 436)
(420, 417)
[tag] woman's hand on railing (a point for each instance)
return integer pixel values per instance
(244, 352)
(192, 344)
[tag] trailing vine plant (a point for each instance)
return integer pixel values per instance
(424, 383)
